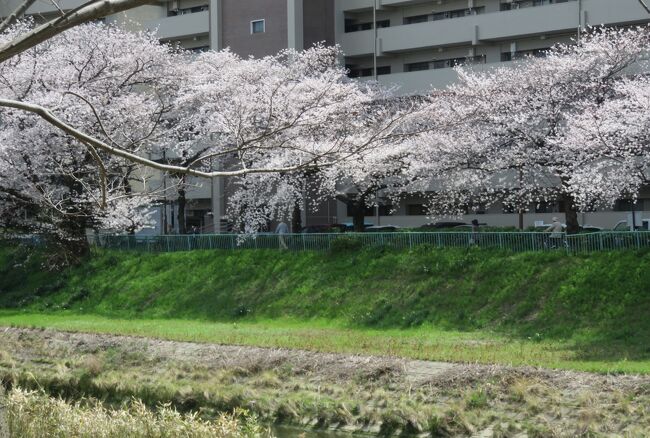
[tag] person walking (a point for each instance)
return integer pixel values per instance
(473, 240)
(281, 230)
(557, 232)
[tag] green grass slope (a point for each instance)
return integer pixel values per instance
(602, 296)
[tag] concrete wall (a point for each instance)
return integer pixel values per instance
(181, 26)
(318, 22)
(236, 34)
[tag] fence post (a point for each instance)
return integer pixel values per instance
(566, 244)
(500, 241)
(638, 240)
(533, 239)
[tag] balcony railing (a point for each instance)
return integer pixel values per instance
(352, 26)
(444, 63)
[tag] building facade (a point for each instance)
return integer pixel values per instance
(413, 44)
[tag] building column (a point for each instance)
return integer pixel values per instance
(215, 25)
(217, 195)
(295, 37)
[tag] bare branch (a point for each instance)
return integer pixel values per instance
(89, 11)
(57, 7)
(645, 6)
(11, 19)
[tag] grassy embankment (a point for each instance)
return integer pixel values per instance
(552, 310)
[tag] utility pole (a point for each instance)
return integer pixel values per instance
(164, 206)
(374, 26)
(374, 69)
(579, 20)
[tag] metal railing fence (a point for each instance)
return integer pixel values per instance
(510, 241)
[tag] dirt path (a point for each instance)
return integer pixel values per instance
(348, 392)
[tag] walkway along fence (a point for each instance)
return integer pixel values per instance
(512, 241)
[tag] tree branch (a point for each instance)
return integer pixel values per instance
(11, 19)
(89, 11)
(49, 117)
(645, 6)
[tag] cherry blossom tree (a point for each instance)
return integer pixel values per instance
(616, 137)
(92, 77)
(97, 106)
(511, 137)
(363, 133)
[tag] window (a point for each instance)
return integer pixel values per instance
(354, 72)
(258, 26)
(192, 10)
(417, 66)
(384, 210)
(416, 19)
(383, 70)
(353, 26)
(199, 49)
(416, 210)
(624, 205)
(523, 54)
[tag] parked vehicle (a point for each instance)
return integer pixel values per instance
(325, 228)
(440, 225)
(382, 229)
(583, 228)
(467, 227)
(349, 226)
(641, 225)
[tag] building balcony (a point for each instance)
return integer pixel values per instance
(414, 82)
(494, 26)
(181, 26)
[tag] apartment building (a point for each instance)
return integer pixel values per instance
(410, 43)
(415, 44)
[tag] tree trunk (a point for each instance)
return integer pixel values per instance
(572, 225)
(73, 248)
(296, 218)
(181, 212)
(359, 216)
(521, 220)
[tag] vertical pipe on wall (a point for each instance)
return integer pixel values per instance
(374, 27)
(579, 20)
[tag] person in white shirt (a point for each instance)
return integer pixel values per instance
(280, 230)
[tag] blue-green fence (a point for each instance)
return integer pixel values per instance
(513, 241)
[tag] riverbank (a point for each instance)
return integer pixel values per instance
(378, 395)
(581, 312)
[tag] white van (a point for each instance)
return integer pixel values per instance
(641, 225)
